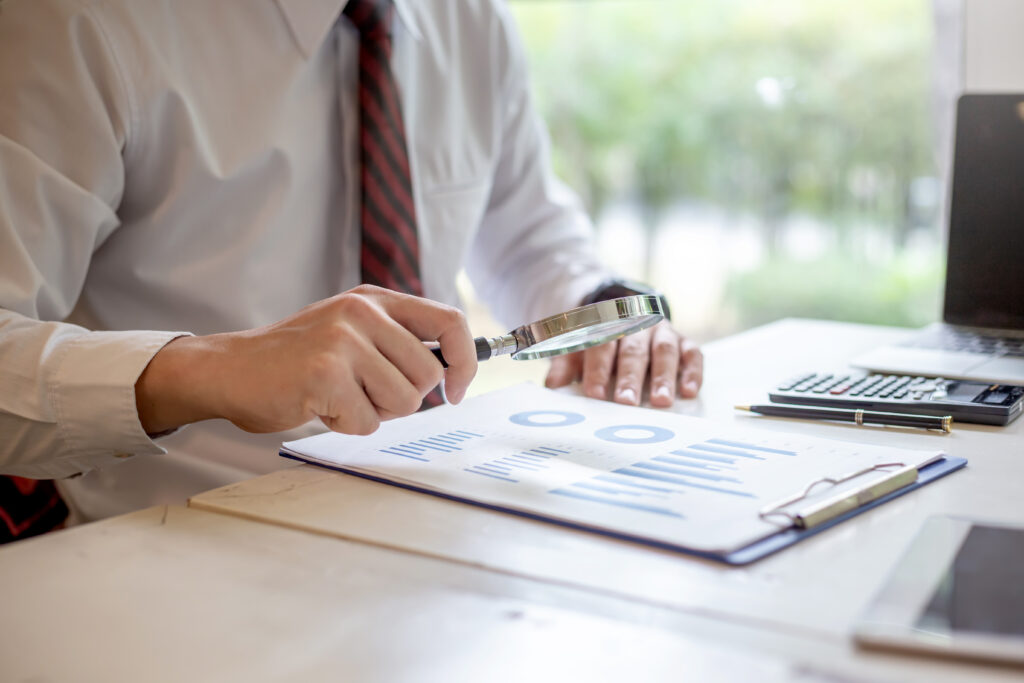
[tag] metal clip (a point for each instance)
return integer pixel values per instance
(838, 504)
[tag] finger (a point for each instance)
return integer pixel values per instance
(362, 311)
(362, 373)
(692, 376)
(433, 321)
(665, 359)
(631, 370)
(564, 370)
(390, 391)
(349, 410)
(598, 363)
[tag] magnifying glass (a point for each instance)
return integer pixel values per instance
(575, 330)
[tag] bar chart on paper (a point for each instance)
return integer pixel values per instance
(639, 473)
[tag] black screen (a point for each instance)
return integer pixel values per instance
(985, 266)
(983, 590)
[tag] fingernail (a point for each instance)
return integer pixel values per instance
(596, 391)
(691, 387)
(627, 396)
(662, 392)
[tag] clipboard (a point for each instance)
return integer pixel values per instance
(796, 533)
(815, 521)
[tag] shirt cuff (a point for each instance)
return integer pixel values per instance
(93, 394)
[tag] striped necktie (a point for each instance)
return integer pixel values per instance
(390, 247)
(28, 508)
(390, 255)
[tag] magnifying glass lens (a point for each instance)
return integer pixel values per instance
(592, 335)
(575, 330)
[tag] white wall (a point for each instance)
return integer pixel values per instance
(994, 45)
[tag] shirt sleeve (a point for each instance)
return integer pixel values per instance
(67, 402)
(534, 254)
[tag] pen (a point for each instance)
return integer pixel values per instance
(860, 417)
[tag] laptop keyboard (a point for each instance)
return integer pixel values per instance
(952, 339)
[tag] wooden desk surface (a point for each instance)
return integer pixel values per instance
(343, 578)
(173, 594)
(814, 590)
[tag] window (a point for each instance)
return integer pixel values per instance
(754, 159)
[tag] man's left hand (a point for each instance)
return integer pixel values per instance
(673, 364)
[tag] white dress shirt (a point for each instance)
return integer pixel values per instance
(192, 167)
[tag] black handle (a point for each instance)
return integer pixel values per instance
(483, 351)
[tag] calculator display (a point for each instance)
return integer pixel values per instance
(963, 391)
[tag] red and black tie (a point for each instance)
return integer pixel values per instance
(28, 508)
(390, 255)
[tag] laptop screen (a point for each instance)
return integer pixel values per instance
(985, 263)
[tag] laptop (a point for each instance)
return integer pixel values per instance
(982, 333)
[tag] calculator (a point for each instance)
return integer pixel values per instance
(965, 401)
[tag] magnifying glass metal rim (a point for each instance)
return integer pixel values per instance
(643, 310)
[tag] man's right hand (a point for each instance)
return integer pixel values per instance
(352, 360)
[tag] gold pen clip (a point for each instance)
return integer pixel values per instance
(833, 506)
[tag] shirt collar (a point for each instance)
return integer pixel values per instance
(311, 20)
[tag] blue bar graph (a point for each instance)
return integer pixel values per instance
(519, 464)
(723, 450)
(697, 455)
(404, 455)
(549, 451)
(434, 447)
(532, 457)
(678, 481)
(580, 495)
(488, 467)
(437, 444)
(617, 491)
(750, 447)
(623, 481)
(686, 473)
(518, 457)
(682, 462)
(484, 473)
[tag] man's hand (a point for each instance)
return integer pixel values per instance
(674, 364)
(352, 360)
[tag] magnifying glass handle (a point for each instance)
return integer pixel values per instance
(483, 351)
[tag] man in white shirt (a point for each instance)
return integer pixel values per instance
(177, 180)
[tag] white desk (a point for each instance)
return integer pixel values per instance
(173, 594)
(788, 615)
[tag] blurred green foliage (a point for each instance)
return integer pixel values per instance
(772, 108)
(837, 288)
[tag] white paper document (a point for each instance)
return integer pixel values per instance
(651, 475)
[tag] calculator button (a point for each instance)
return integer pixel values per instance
(900, 394)
(796, 381)
(880, 386)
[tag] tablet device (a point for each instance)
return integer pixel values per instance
(957, 591)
